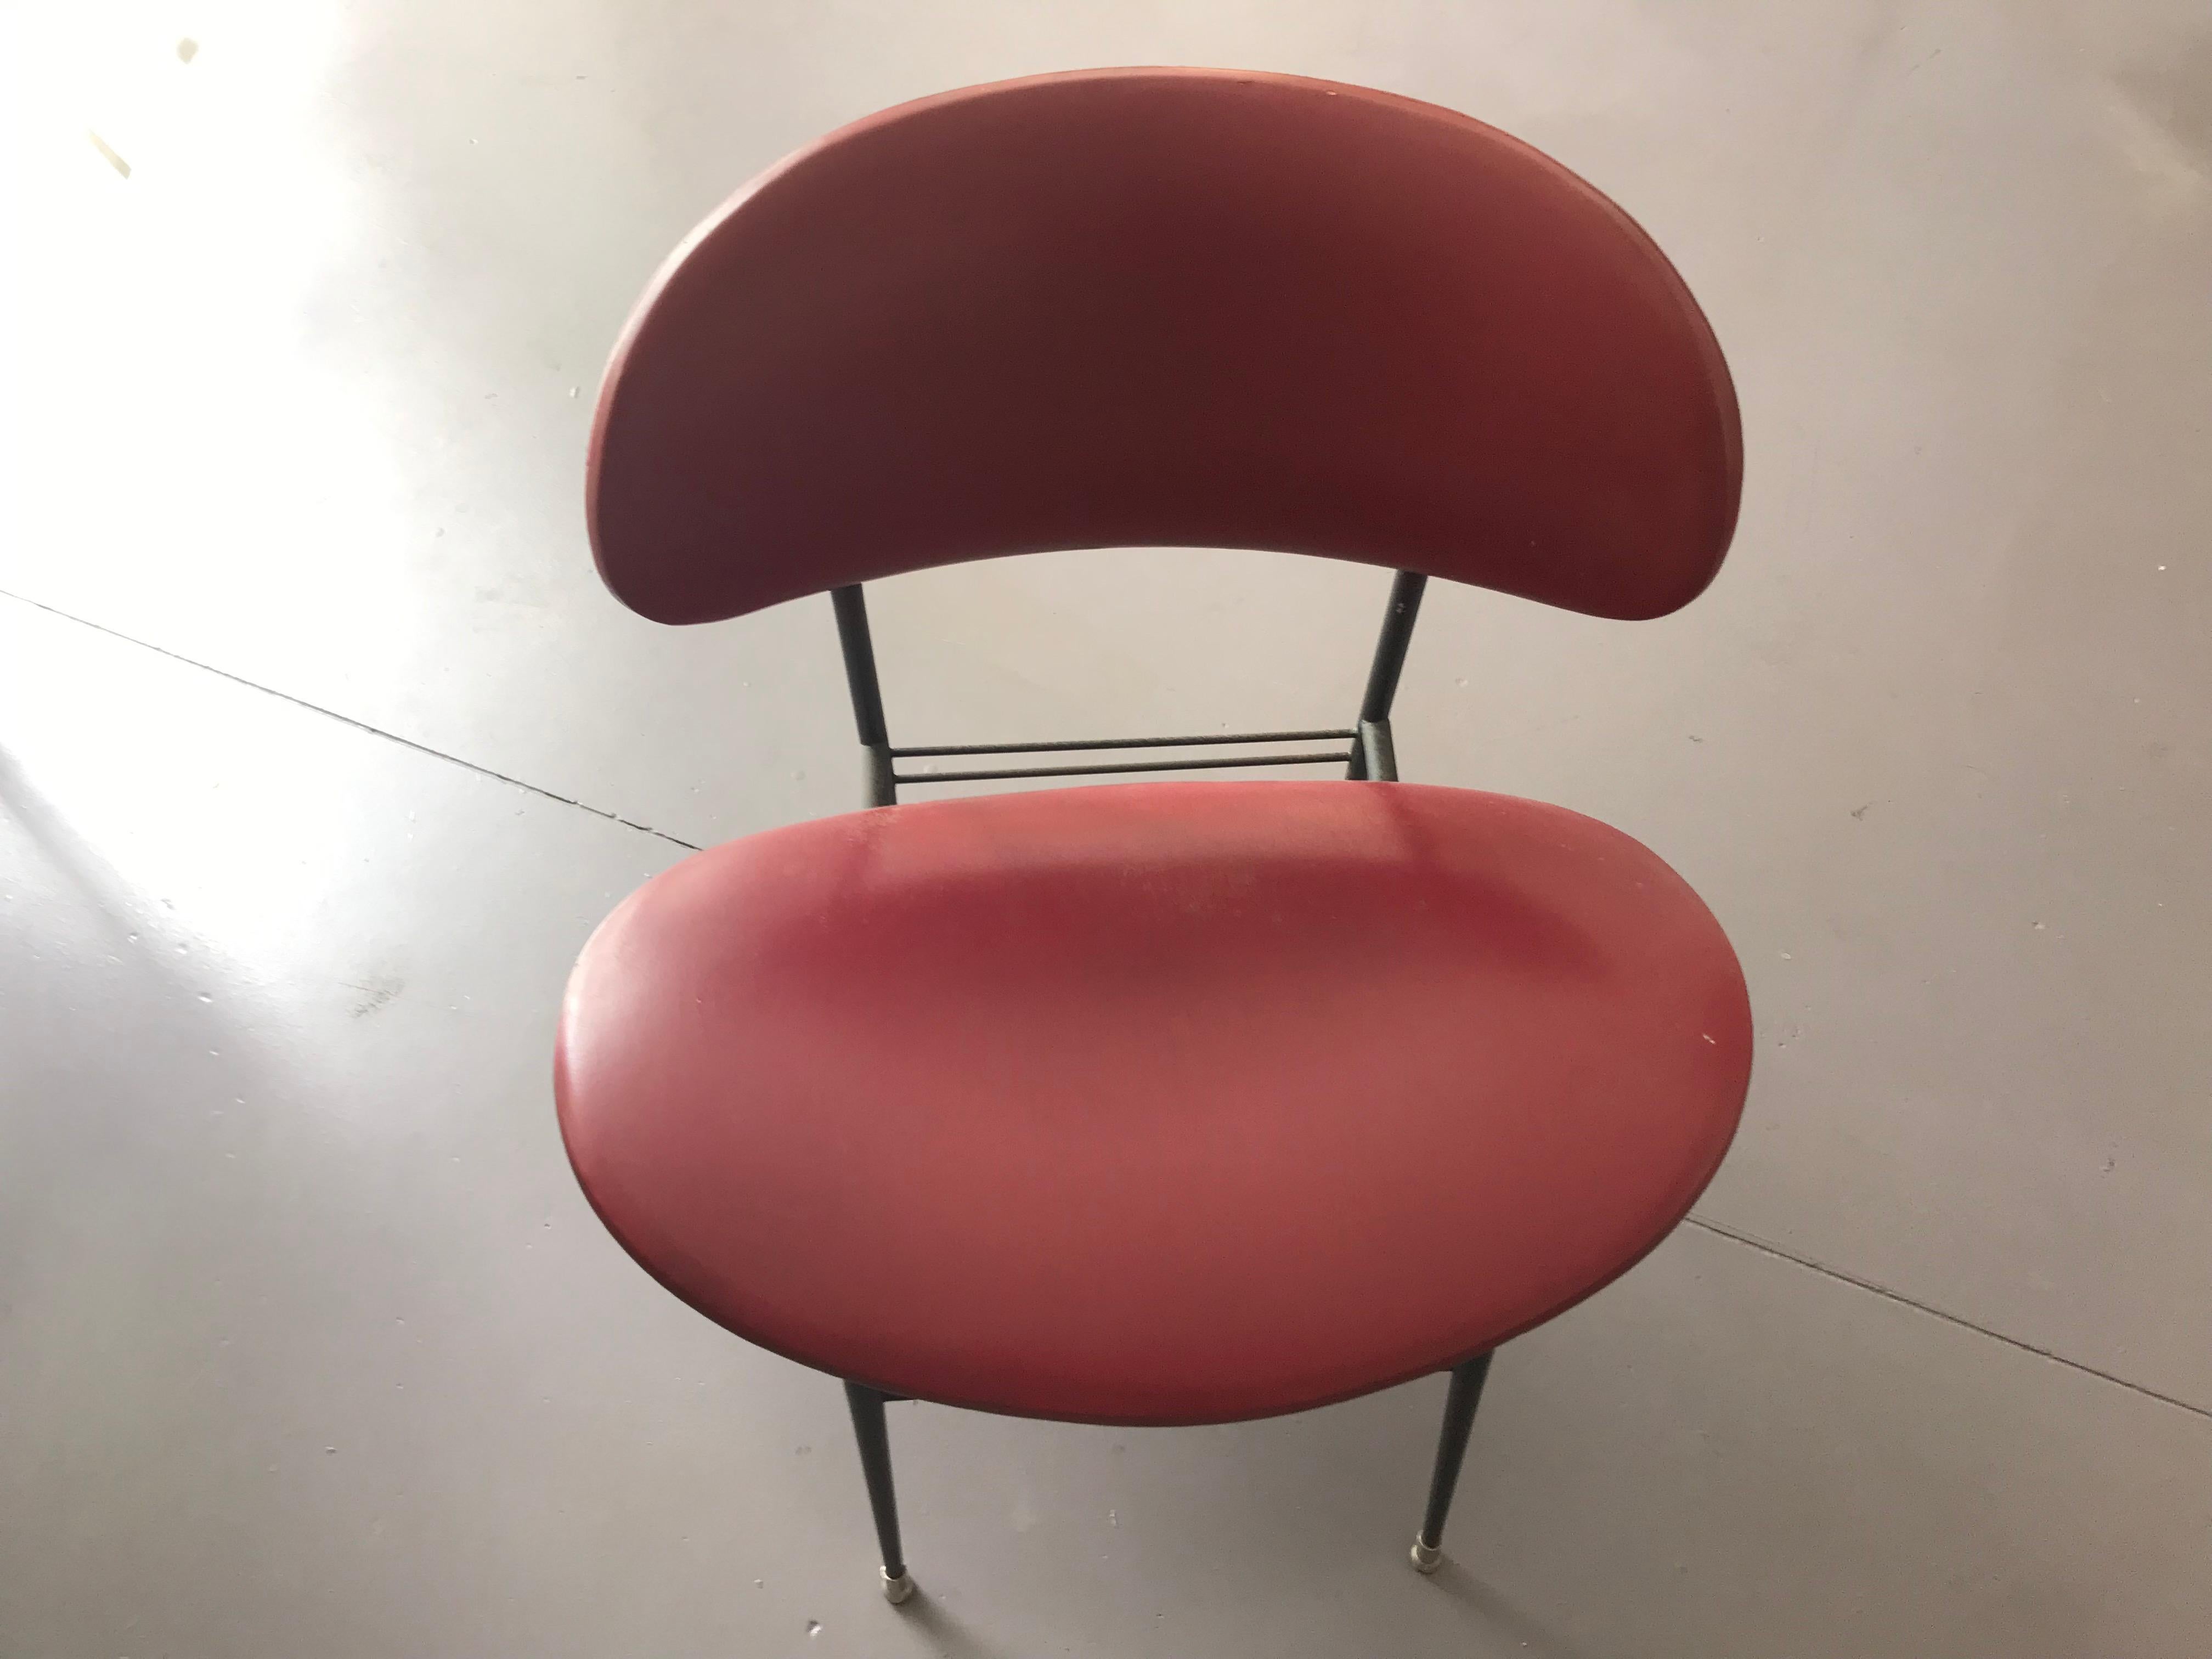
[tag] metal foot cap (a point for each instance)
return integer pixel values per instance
(1424, 1558)
(895, 1591)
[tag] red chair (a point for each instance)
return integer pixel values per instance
(1169, 1103)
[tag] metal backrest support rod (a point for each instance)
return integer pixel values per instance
(1373, 754)
(1390, 645)
(1377, 756)
(867, 695)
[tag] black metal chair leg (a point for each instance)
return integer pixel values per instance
(1467, 1379)
(867, 1407)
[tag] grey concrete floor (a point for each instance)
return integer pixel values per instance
(321, 751)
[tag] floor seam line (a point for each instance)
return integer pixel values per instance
(1883, 1291)
(348, 720)
(1748, 1241)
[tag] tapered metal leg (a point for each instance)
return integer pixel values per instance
(867, 1407)
(1466, 1381)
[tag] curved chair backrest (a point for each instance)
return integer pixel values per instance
(1165, 307)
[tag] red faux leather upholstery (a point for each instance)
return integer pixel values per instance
(1165, 307)
(1153, 1104)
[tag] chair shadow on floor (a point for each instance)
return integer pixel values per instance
(1494, 1614)
(1500, 1615)
(953, 1637)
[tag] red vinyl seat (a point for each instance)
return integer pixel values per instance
(1164, 1102)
